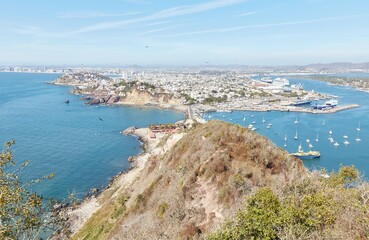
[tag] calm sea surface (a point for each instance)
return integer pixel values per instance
(310, 125)
(68, 140)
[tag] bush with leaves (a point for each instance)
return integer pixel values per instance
(310, 208)
(23, 213)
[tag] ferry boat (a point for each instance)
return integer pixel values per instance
(301, 102)
(306, 155)
(332, 102)
(328, 104)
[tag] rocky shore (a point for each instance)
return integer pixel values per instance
(79, 215)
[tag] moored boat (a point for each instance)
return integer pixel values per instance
(328, 104)
(301, 102)
(306, 155)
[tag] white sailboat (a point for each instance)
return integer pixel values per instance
(323, 123)
(263, 120)
(358, 128)
(330, 137)
(345, 136)
(317, 138)
(296, 122)
(358, 139)
(244, 119)
(285, 137)
(346, 142)
(308, 140)
(336, 144)
(269, 125)
(296, 136)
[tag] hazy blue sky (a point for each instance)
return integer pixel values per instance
(256, 32)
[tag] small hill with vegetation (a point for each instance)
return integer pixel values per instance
(223, 181)
(312, 207)
(187, 191)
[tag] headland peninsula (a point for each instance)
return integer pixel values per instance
(202, 91)
(359, 83)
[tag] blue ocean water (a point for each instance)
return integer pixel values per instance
(68, 140)
(352, 75)
(310, 125)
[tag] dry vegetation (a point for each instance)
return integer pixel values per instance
(312, 207)
(190, 190)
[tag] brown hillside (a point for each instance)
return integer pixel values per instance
(189, 190)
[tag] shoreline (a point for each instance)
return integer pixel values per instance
(307, 110)
(199, 108)
(157, 105)
(163, 106)
(79, 215)
(208, 108)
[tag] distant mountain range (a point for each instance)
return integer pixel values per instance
(316, 67)
(339, 65)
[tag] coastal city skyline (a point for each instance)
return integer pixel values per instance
(176, 33)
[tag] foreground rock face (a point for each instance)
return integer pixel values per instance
(189, 190)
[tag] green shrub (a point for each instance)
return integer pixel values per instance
(257, 221)
(162, 209)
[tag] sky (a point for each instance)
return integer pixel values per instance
(163, 32)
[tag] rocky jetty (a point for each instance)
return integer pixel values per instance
(129, 131)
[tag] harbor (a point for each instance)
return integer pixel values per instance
(341, 137)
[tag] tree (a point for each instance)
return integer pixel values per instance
(23, 213)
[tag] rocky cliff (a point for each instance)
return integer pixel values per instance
(140, 97)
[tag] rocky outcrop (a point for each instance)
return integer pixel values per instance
(129, 130)
(103, 100)
(140, 97)
(113, 99)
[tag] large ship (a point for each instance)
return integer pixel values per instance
(301, 102)
(266, 79)
(328, 104)
(306, 155)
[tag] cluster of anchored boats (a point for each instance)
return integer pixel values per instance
(316, 154)
(311, 154)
